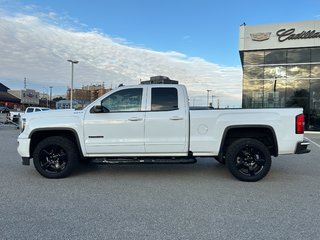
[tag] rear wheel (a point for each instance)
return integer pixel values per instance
(248, 160)
(55, 157)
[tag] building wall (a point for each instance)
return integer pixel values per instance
(27, 96)
(88, 93)
(281, 67)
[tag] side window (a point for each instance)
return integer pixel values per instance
(164, 99)
(38, 110)
(30, 110)
(127, 100)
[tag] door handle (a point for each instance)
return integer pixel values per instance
(175, 118)
(135, 119)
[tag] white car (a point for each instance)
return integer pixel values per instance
(36, 109)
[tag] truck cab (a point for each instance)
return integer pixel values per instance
(144, 119)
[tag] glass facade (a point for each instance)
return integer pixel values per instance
(283, 78)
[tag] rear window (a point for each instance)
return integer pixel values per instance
(164, 99)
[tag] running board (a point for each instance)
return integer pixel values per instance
(143, 160)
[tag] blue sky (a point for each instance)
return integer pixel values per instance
(122, 41)
(201, 28)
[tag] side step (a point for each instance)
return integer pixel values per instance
(172, 160)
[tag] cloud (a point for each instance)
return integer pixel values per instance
(32, 46)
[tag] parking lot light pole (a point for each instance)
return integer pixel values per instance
(208, 92)
(71, 89)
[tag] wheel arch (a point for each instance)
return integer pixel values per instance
(38, 135)
(263, 133)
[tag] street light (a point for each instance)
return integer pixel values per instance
(50, 95)
(71, 89)
(208, 91)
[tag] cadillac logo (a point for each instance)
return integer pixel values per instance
(30, 94)
(260, 36)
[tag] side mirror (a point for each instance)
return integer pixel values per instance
(99, 109)
(96, 109)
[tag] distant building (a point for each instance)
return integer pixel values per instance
(27, 96)
(7, 99)
(88, 93)
(281, 67)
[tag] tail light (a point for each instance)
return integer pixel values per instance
(300, 124)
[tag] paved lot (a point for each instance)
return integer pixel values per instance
(196, 201)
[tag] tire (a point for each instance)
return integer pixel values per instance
(248, 160)
(55, 157)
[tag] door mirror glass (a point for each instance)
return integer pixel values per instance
(99, 109)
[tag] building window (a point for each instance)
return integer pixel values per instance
(298, 56)
(275, 72)
(253, 72)
(276, 57)
(315, 71)
(315, 54)
(253, 58)
(283, 78)
(298, 71)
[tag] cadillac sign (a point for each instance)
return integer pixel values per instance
(290, 34)
(260, 36)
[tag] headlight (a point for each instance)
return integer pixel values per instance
(23, 123)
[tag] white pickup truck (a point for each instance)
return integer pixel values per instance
(154, 123)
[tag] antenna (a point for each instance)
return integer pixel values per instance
(25, 83)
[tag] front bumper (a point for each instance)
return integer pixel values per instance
(23, 150)
(302, 147)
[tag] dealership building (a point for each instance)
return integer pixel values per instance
(281, 67)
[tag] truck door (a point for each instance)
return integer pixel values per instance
(166, 123)
(119, 128)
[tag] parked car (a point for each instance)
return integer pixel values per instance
(5, 110)
(4, 115)
(36, 109)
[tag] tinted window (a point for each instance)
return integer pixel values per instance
(255, 57)
(30, 110)
(275, 56)
(251, 72)
(298, 56)
(275, 72)
(164, 99)
(38, 110)
(127, 100)
(315, 71)
(315, 55)
(298, 71)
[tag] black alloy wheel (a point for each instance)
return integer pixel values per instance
(248, 160)
(55, 157)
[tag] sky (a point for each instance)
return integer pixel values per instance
(123, 41)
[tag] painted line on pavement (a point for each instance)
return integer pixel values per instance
(313, 142)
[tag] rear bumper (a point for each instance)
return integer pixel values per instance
(302, 147)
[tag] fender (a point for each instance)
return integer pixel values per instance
(226, 131)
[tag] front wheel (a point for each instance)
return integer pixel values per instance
(248, 160)
(55, 157)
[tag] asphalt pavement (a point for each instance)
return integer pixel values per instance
(161, 201)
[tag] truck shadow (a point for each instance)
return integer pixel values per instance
(203, 168)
